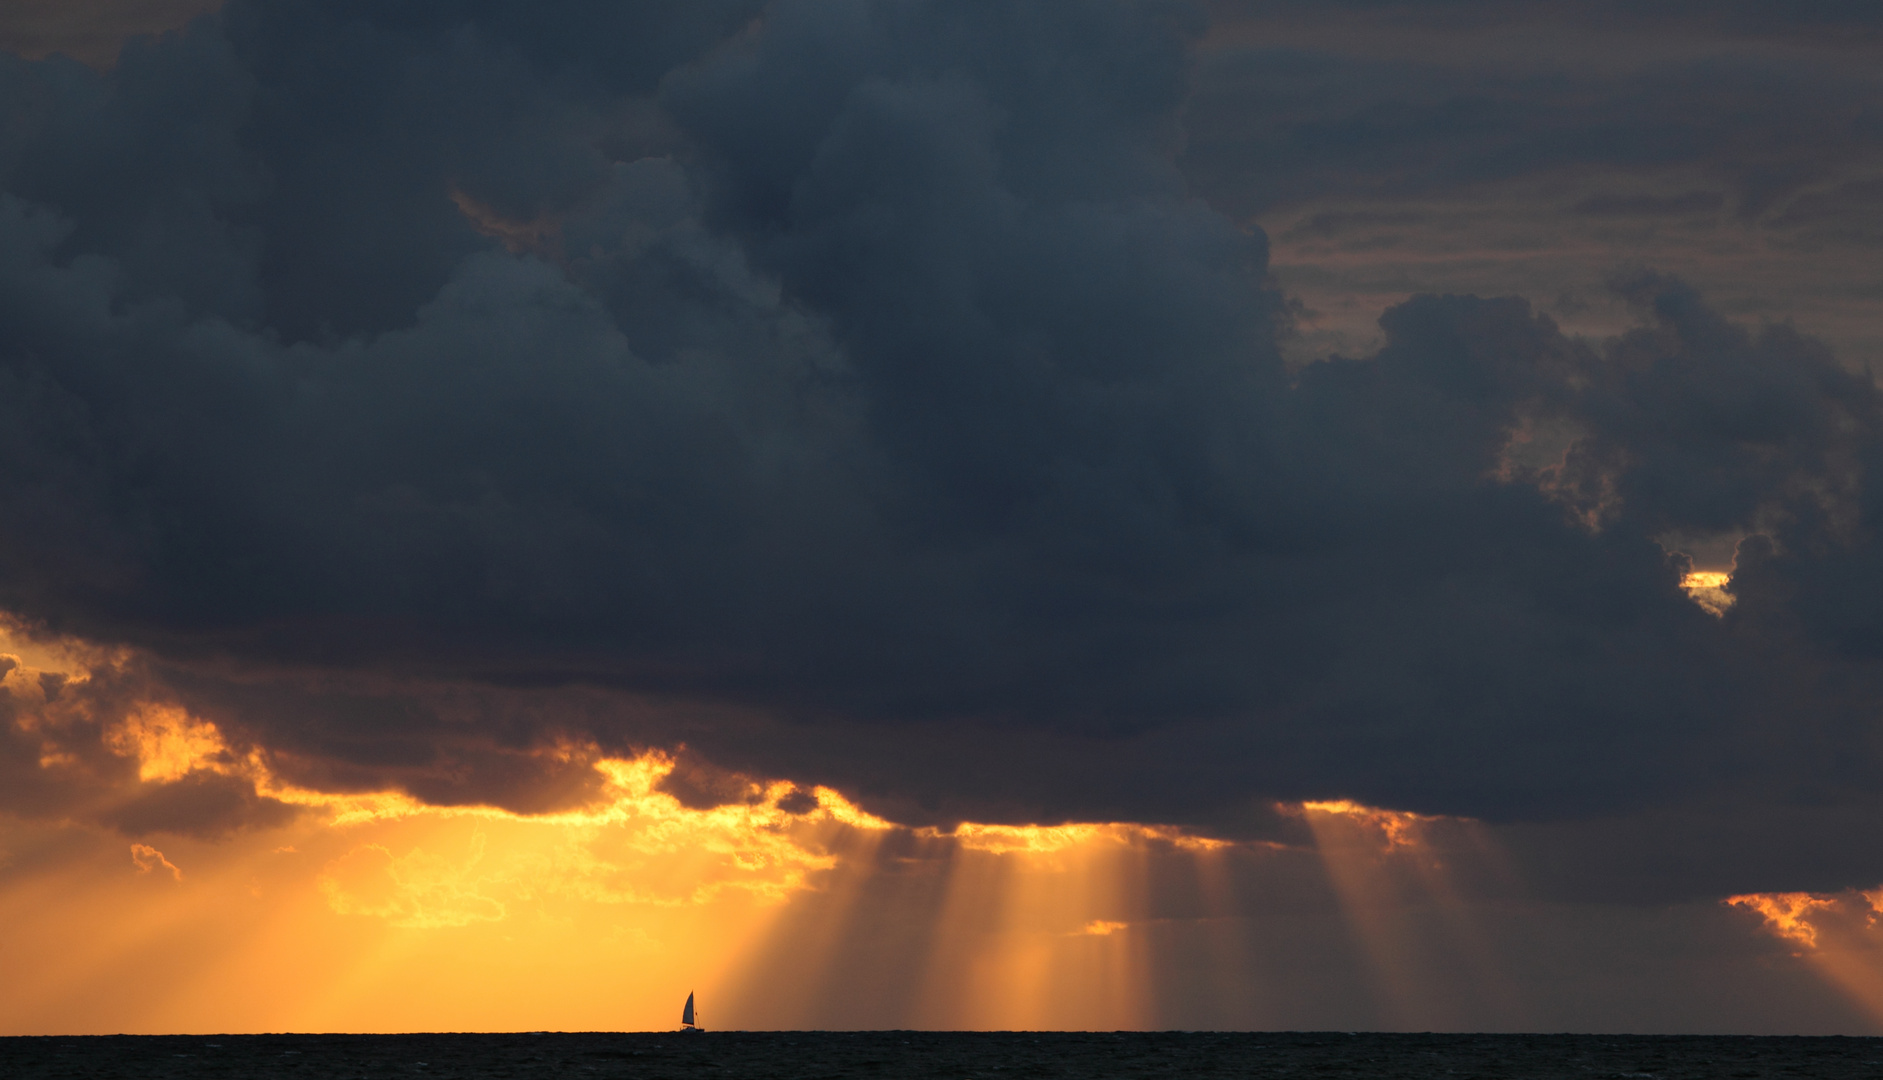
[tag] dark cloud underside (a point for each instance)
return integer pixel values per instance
(892, 395)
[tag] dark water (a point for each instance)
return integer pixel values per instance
(951, 1055)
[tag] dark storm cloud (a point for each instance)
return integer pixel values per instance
(92, 31)
(1849, 14)
(856, 392)
(1491, 147)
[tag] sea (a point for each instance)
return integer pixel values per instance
(828, 1055)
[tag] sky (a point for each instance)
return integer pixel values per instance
(880, 513)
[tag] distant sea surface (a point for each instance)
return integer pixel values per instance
(947, 1055)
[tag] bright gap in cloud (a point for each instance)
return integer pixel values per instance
(788, 908)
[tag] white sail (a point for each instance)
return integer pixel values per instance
(686, 1014)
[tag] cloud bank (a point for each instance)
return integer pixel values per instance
(865, 393)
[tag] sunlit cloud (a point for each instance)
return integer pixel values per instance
(1395, 830)
(1708, 589)
(1014, 926)
(1838, 934)
(417, 889)
(1787, 915)
(1034, 925)
(149, 860)
(1046, 839)
(637, 845)
(169, 744)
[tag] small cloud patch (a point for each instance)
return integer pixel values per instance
(149, 860)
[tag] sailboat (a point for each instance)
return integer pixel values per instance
(688, 1016)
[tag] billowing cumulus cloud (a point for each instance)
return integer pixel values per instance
(892, 396)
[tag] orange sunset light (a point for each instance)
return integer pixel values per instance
(1393, 872)
(1838, 934)
(1708, 589)
(790, 906)
(375, 911)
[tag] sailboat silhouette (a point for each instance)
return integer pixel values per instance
(688, 1016)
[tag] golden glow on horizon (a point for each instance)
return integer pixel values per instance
(380, 913)
(1037, 929)
(377, 911)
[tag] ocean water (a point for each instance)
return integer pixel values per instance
(947, 1055)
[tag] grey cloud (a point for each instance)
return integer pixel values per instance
(1692, 202)
(1278, 125)
(201, 804)
(1496, 145)
(859, 394)
(94, 31)
(1846, 22)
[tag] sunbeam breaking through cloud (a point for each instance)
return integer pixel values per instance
(1114, 513)
(1837, 934)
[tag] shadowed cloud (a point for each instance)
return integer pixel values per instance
(892, 397)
